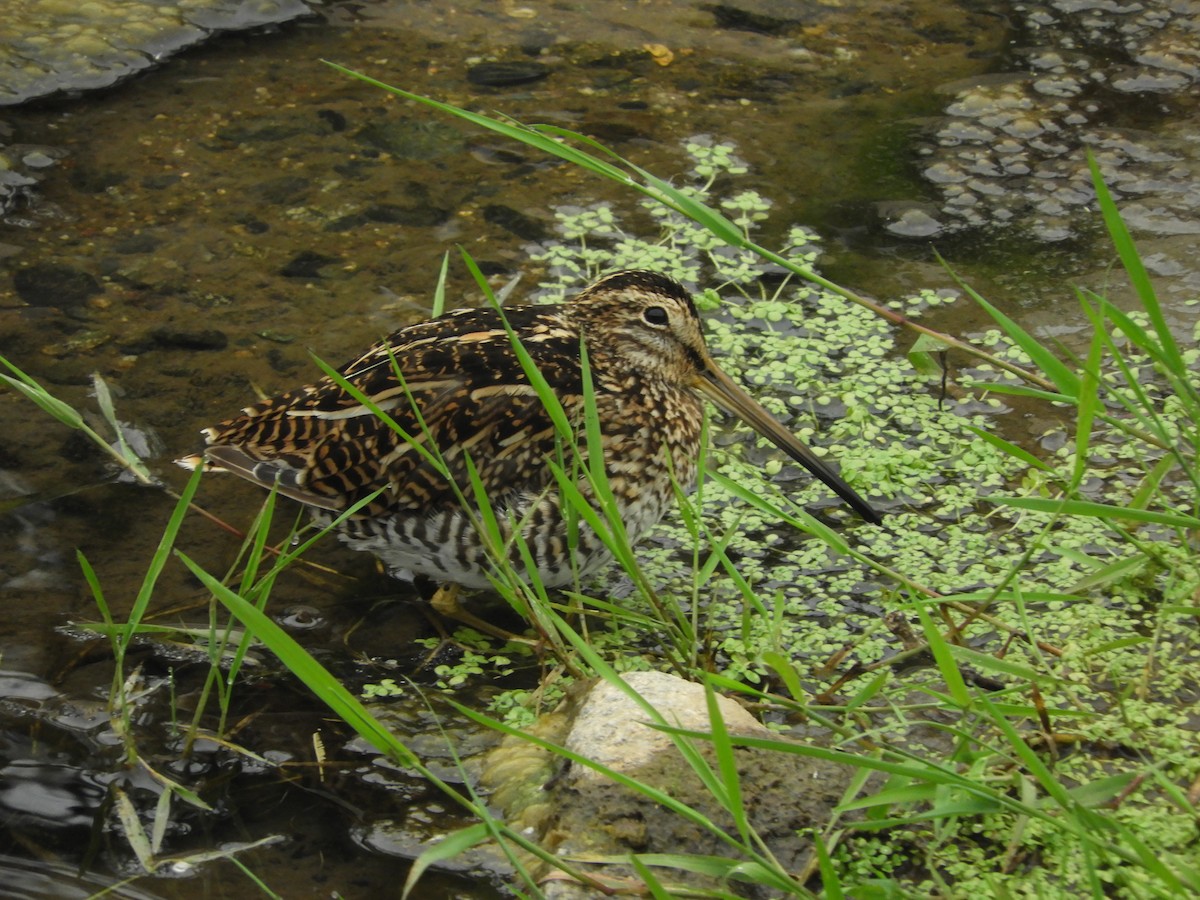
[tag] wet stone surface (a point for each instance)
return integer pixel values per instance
(49, 47)
(1007, 153)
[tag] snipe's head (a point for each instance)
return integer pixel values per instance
(643, 322)
(648, 322)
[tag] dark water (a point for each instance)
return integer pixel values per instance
(216, 218)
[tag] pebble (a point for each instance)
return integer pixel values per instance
(408, 139)
(417, 215)
(523, 226)
(308, 264)
(83, 342)
(205, 339)
(506, 74)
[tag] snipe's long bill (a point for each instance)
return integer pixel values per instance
(725, 392)
(649, 367)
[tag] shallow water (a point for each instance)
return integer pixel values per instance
(215, 219)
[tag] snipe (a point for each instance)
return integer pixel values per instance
(649, 366)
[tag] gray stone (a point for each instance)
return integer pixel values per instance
(575, 810)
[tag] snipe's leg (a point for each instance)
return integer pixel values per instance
(445, 602)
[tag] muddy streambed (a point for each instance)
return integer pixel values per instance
(195, 231)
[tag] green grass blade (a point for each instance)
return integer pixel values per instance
(1063, 378)
(315, 676)
(446, 848)
(258, 540)
(490, 529)
(1102, 791)
(944, 657)
(135, 834)
(93, 582)
(439, 290)
(161, 554)
(371, 406)
(783, 666)
(1113, 572)
(1134, 268)
(1017, 390)
(546, 394)
(1085, 408)
(1098, 510)
(652, 887)
(552, 139)
(1028, 757)
(61, 411)
(295, 551)
(830, 882)
(719, 867)
(132, 462)
(1182, 381)
(989, 662)
(798, 518)
(1148, 488)
(909, 767)
(523, 133)
(730, 796)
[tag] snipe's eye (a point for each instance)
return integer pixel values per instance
(655, 315)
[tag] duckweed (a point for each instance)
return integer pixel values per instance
(1125, 649)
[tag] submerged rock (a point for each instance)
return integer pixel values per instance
(51, 284)
(201, 339)
(308, 264)
(515, 221)
(408, 139)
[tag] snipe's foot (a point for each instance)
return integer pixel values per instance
(446, 603)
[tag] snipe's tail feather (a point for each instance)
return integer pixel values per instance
(270, 474)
